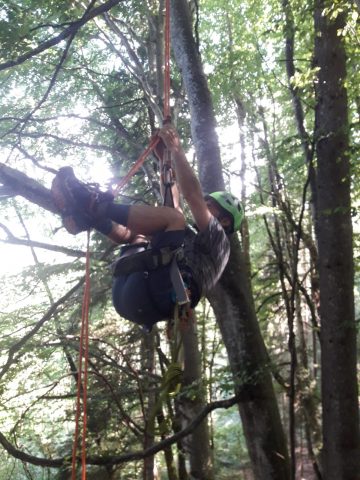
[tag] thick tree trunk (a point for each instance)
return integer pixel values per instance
(232, 300)
(341, 444)
(17, 183)
(201, 108)
(234, 310)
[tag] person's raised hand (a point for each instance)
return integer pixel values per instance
(170, 137)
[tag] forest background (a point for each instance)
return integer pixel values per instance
(266, 98)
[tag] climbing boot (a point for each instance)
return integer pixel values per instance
(81, 205)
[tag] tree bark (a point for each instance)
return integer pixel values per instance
(234, 310)
(201, 108)
(18, 183)
(148, 365)
(199, 442)
(232, 299)
(341, 439)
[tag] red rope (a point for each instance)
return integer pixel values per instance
(155, 140)
(81, 398)
(82, 379)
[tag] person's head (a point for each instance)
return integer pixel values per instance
(227, 209)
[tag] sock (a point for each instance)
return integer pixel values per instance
(118, 213)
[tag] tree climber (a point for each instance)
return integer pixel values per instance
(146, 297)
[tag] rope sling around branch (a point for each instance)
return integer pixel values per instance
(82, 376)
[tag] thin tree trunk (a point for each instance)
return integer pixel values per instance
(182, 472)
(341, 438)
(285, 249)
(168, 453)
(199, 441)
(306, 394)
(245, 235)
(148, 364)
(308, 150)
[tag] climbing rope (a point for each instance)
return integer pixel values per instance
(181, 312)
(166, 113)
(165, 161)
(154, 141)
(82, 373)
(81, 399)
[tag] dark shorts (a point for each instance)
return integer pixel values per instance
(148, 297)
(144, 297)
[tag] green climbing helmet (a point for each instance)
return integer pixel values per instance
(232, 205)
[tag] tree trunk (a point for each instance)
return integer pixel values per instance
(306, 394)
(234, 310)
(168, 452)
(201, 108)
(341, 444)
(199, 441)
(148, 364)
(232, 299)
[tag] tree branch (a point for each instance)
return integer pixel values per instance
(71, 30)
(33, 243)
(54, 76)
(21, 184)
(48, 315)
(68, 141)
(115, 460)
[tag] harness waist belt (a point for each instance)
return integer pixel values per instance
(145, 260)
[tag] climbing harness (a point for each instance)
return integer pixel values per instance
(141, 257)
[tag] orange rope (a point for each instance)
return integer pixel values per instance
(154, 141)
(84, 335)
(165, 162)
(83, 360)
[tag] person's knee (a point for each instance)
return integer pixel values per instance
(176, 220)
(149, 220)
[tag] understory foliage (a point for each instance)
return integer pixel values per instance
(92, 99)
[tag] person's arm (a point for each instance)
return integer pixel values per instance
(188, 183)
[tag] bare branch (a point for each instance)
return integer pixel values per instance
(53, 78)
(73, 28)
(48, 315)
(5, 192)
(132, 62)
(35, 161)
(34, 244)
(115, 460)
(68, 141)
